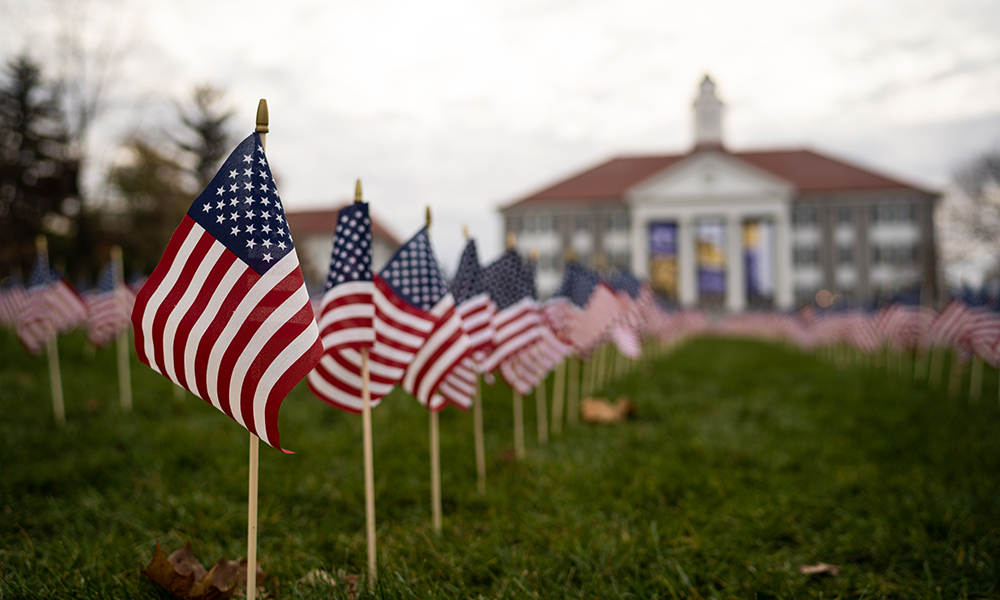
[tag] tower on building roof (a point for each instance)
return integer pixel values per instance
(707, 117)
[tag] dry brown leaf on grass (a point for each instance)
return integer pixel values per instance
(599, 410)
(819, 569)
(184, 577)
(350, 582)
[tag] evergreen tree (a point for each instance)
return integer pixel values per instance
(38, 170)
(151, 185)
(207, 138)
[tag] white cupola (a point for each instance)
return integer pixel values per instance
(707, 117)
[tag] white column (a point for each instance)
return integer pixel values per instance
(640, 245)
(686, 254)
(736, 296)
(783, 251)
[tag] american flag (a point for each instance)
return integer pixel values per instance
(108, 310)
(419, 338)
(597, 303)
(69, 310)
(624, 333)
(476, 309)
(225, 314)
(347, 312)
(37, 323)
(516, 321)
(12, 297)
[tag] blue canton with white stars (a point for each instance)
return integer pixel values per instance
(413, 273)
(109, 278)
(40, 273)
(469, 278)
(624, 280)
(241, 208)
(508, 281)
(577, 284)
(351, 259)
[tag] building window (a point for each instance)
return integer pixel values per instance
(804, 216)
(845, 215)
(621, 259)
(894, 254)
(617, 222)
(530, 224)
(583, 222)
(805, 295)
(515, 224)
(805, 256)
(894, 213)
(546, 223)
(845, 255)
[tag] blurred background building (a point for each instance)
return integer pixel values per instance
(313, 232)
(732, 230)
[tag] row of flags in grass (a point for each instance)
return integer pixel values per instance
(965, 330)
(50, 305)
(225, 314)
(436, 340)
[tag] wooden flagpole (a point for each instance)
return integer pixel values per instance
(518, 401)
(541, 411)
(955, 375)
(518, 425)
(124, 372)
(261, 129)
(558, 396)
(937, 365)
(573, 391)
(366, 435)
(477, 420)
(477, 424)
(55, 377)
(976, 379)
(435, 448)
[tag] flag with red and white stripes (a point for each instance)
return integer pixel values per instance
(476, 309)
(108, 310)
(12, 297)
(68, 307)
(225, 314)
(347, 313)
(419, 337)
(36, 324)
(516, 321)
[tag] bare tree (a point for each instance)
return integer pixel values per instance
(969, 218)
(207, 139)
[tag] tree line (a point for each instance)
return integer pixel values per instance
(147, 191)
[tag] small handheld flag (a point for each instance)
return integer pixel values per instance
(225, 313)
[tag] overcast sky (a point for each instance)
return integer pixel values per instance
(468, 105)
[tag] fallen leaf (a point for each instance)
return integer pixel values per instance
(184, 577)
(600, 410)
(163, 573)
(350, 582)
(819, 569)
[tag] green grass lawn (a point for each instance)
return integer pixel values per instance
(746, 461)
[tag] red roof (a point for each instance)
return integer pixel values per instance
(325, 222)
(808, 171)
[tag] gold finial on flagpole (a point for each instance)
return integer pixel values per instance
(262, 116)
(428, 216)
(357, 190)
(533, 254)
(569, 256)
(42, 245)
(465, 231)
(511, 240)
